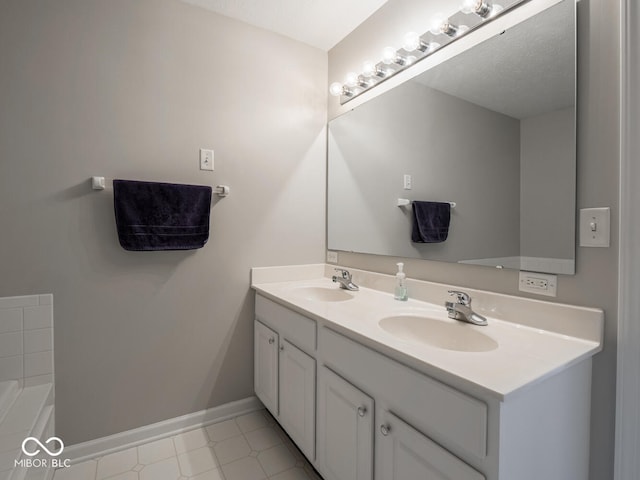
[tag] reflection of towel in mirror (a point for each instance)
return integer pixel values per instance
(161, 216)
(430, 222)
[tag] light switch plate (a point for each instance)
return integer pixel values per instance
(595, 227)
(206, 159)
(406, 181)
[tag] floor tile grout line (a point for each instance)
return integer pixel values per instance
(265, 422)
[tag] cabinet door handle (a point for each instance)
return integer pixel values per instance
(282, 348)
(385, 429)
(362, 411)
(272, 341)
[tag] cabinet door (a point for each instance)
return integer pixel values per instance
(297, 397)
(345, 429)
(265, 366)
(406, 454)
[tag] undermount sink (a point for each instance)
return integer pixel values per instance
(456, 335)
(322, 294)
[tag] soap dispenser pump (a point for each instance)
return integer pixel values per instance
(401, 288)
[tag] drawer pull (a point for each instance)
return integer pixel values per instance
(282, 348)
(385, 429)
(272, 341)
(362, 411)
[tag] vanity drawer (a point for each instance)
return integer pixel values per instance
(298, 329)
(441, 412)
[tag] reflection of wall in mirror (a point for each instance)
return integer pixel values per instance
(547, 157)
(547, 195)
(455, 151)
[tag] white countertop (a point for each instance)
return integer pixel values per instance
(525, 354)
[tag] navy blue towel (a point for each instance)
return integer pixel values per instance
(161, 216)
(430, 222)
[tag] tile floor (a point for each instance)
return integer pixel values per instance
(248, 447)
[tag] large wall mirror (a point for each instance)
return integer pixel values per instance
(491, 129)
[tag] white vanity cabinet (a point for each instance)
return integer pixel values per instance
(361, 411)
(265, 366)
(402, 395)
(297, 391)
(345, 429)
(285, 370)
(406, 454)
(427, 429)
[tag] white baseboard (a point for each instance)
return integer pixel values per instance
(121, 441)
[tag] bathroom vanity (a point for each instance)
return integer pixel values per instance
(370, 387)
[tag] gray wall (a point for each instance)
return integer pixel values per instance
(547, 159)
(595, 282)
(414, 129)
(133, 89)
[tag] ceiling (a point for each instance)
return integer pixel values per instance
(319, 23)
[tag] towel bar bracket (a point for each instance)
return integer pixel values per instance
(222, 190)
(98, 183)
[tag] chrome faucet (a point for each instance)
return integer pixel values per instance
(344, 279)
(461, 310)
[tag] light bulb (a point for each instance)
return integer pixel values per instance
(335, 89)
(482, 8)
(469, 6)
(351, 80)
(411, 41)
(435, 26)
(368, 69)
(388, 55)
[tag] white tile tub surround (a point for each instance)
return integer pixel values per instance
(26, 339)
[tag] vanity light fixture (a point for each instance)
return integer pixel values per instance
(351, 80)
(482, 8)
(391, 56)
(336, 88)
(413, 42)
(442, 25)
(355, 80)
(442, 31)
(370, 69)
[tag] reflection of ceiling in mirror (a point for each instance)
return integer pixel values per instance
(526, 71)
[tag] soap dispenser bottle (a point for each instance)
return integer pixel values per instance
(400, 292)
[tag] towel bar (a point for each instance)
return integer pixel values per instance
(99, 183)
(403, 202)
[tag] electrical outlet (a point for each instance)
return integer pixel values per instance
(538, 283)
(332, 257)
(206, 159)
